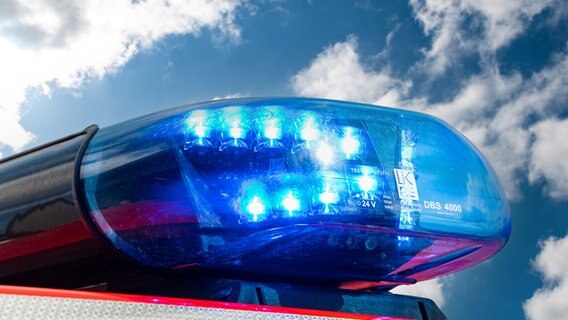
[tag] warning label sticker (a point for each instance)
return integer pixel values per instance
(406, 184)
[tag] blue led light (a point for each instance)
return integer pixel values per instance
(200, 131)
(269, 127)
(269, 123)
(254, 201)
(294, 188)
(325, 153)
(236, 125)
(272, 133)
(291, 204)
(235, 131)
(256, 207)
(350, 143)
(199, 127)
(309, 132)
(366, 182)
(309, 129)
(328, 198)
(272, 129)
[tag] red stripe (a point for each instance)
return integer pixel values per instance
(55, 293)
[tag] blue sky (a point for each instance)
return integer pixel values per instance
(498, 71)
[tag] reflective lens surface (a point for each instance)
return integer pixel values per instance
(295, 187)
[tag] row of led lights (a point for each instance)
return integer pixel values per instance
(236, 126)
(293, 201)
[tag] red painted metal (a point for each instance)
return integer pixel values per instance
(106, 296)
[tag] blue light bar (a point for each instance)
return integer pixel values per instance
(295, 188)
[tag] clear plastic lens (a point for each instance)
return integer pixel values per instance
(295, 187)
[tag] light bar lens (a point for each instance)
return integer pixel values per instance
(295, 187)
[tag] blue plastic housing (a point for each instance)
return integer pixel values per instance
(295, 188)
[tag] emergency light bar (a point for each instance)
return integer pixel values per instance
(292, 188)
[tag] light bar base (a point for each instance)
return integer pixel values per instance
(381, 303)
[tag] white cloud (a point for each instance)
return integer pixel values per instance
(62, 43)
(431, 289)
(550, 301)
(338, 73)
(466, 27)
(548, 156)
(231, 96)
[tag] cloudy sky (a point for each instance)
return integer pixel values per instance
(496, 70)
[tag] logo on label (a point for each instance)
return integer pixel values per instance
(406, 184)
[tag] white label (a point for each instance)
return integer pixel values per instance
(406, 184)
